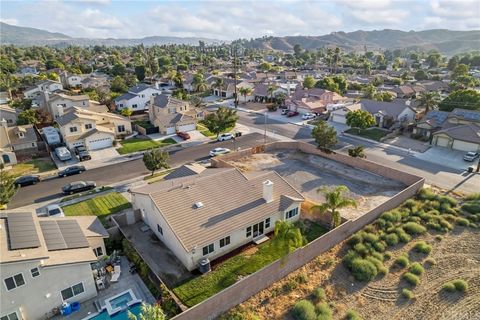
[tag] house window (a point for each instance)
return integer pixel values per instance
(224, 242)
(120, 105)
(88, 126)
(267, 223)
(33, 144)
(134, 106)
(14, 281)
(159, 229)
(292, 213)
(121, 128)
(249, 232)
(72, 291)
(11, 316)
(73, 129)
(35, 272)
(98, 251)
(208, 249)
(9, 120)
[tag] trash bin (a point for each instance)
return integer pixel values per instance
(66, 309)
(75, 306)
(471, 168)
(238, 134)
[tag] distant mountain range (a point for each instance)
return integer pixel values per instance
(445, 41)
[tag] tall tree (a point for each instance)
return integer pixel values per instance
(219, 84)
(245, 91)
(465, 99)
(288, 237)
(360, 119)
(199, 84)
(325, 136)
(126, 112)
(28, 116)
(429, 100)
(334, 200)
(155, 159)
(220, 120)
(271, 90)
(148, 312)
(7, 186)
(140, 72)
(308, 82)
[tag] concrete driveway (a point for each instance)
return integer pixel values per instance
(446, 157)
(103, 154)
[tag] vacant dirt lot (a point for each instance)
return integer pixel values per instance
(307, 173)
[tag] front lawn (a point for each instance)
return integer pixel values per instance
(207, 133)
(373, 133)
(33, 166)
(100, 206)
(142, 144)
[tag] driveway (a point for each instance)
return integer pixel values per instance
(103, 154)
(446, 157)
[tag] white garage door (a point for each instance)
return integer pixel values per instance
(464, 146)
(170, 130)
(187, 127)
(442, 142)
(100, 143)
(339, 119)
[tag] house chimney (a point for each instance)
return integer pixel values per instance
(268, 191)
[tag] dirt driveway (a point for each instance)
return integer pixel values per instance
(307, 173)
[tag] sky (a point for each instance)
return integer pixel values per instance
(233, 19)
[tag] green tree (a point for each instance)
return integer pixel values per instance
(421, 75)
(155, 159)
(220, 120)
(369, 91)
(325, 136)
(288, 237)
(465, 99)
(126, 112)
(199, 84)
(309, 82)
(218, 84)
(429, 100)
(452, 63)
(245, 91)
(7, 186)
(118, 69)
(271, 90)
(53, 76)
(118, 85)
(28, 116)
(460, 70)
(360, 119)
(357, 152)
(334, 200)
(140, 72)
(148, 312)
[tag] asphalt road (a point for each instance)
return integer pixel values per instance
(50, 189)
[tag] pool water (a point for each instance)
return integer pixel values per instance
(122, 315)
(121, 301)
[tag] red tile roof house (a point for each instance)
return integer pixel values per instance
(313, 100)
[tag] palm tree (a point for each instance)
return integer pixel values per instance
(429, 100)
(148, 312)
(245, 91)
(199, 83)
(219, 85)
(271, 90)
(334, 200)
(290, 237)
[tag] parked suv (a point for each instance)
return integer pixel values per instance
(470, 156)
(225, 136)
(78, 186)
(82, 153)
(69, 171)
(63, 154)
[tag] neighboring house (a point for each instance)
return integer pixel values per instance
(137, 97)
(20, 140)
(45, 262)
(4, 97)
(312, 100)
(430, 123)
(339, 115)
(25, 71)
(465, 137)
(198, 217)
(8, 114)
(70, 80)
(228, 89)
(7, 156)
(57, 103)
(44, 85)
(94, 130)
(260, 91)
(172, 115)
(387, 114)
(92, 82)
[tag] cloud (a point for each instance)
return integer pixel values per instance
(387, 17)
(457, 9)
(9, 21)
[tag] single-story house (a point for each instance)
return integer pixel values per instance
(388, 113)
(431, 122)
(339, 115)
(197, 217)
(312, 100)
(465, 137)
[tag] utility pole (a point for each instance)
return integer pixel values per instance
(235, 76)
(265, 132)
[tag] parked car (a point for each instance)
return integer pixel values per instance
(63, 154)
(27, 181)
(225, 136)
(285, 111)
(219, 151)
(69, 171)
(470, 156)
(183, 135)
(78, 186)
(82, 153)
(308, 116)
(292, 114)
(54, 210)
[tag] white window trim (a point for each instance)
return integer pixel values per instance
(7, 315)
(71, 287)
(12, 276)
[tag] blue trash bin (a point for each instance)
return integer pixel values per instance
(75, 306)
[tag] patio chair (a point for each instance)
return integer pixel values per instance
(117, 269)
(115, 277)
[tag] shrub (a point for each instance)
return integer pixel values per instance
(391, 216)
(430, 262)
(379, 246)
(348, 258)
(460, 285)
(290, 286)
(445, 224)
(363, 270)
(413, 228)
(361, 249)
(304, 310)
(426, 194)
(416, 268)
(402, 261)
(377, 256)
(473, 196)
(447, 200)
(356, 238)
(422, 247)
(404, 237)
(352, 315)
(370, 237)
(381, 223)
(407, 294)
(387, 255)
(438, 237)
(472, 207)
(463, 222)
(449, 287)
(391, 239)
(319, 294)
(323, 310)
(411, 278)
(301, 278)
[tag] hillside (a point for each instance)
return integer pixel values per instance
(23, 35)
(446, 41)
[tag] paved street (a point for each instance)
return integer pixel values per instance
(50, 189)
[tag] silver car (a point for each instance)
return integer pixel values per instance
(470, 156)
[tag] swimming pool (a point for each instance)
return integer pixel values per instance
(120, 301)
(122, 315)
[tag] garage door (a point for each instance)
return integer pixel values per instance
(442, 142)
(100, 143)
(339, 119)
(170, 130)
(464, 146)
(187, 127)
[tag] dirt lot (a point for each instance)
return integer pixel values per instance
(307, 173)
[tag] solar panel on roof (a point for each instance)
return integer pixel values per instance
(22, 233)
(63, 234)
(53, 236)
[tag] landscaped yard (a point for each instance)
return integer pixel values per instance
(373, 133)
(100, 206)
(33, 166)
(143, 123)
(207, 133)
(142, 144)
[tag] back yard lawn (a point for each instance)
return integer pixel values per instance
(33, 166)
(374, 133)
(100, 206)
(142, 144)
(143, 123)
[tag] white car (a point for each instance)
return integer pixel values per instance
(307, 116)
(219, 151)
(63, 154)
(225, 136)
(470, 156)
(54, 210)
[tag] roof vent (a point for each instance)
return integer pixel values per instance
(198, 205)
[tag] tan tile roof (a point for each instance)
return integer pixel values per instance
(231, 201)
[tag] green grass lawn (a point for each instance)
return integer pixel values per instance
(207, 133)
(143, 123)
(142, 144)
(100, 206)
(313, 231)
(374, 134)
(33, 166)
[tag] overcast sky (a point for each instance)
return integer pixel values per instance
(230, 19)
